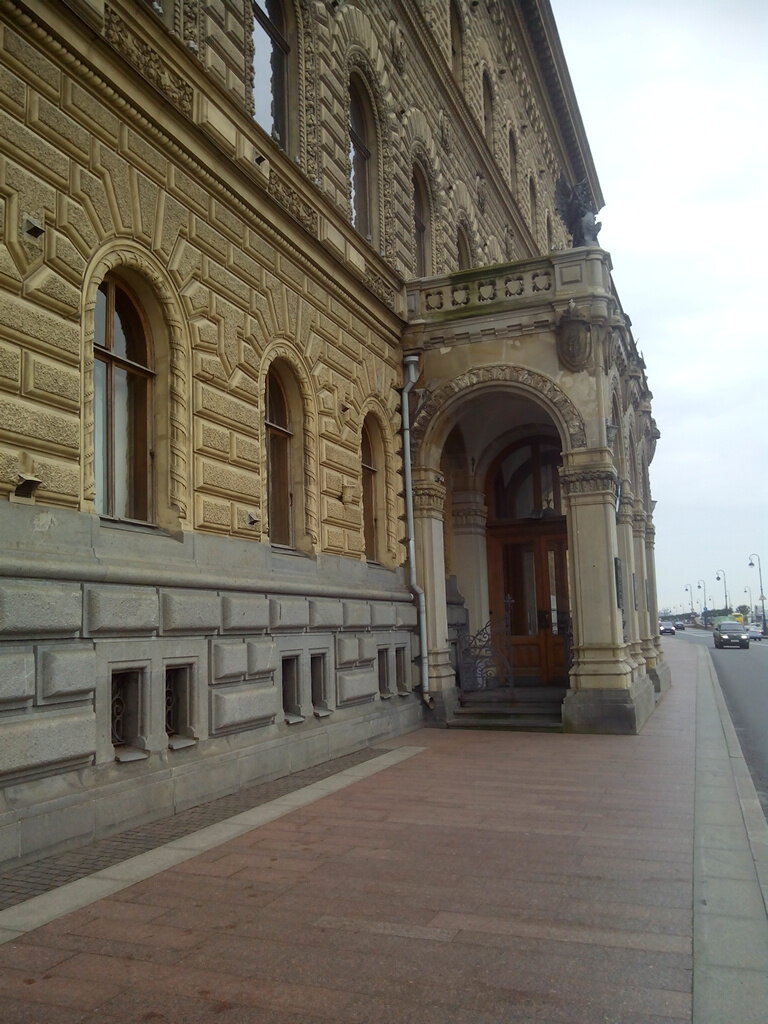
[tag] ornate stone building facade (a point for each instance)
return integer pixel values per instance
(310, 369)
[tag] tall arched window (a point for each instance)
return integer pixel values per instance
(271, 58)
(457, 44)
(370, 446)
(512, 162)
(464, 248)
(362, 156)
(122, 405)
(534, 206)
(421, 223)
(487, 109)
(550, 240)
(279, 436)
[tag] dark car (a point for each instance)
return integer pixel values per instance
(731, 634)
(666, 627)
(680, 625)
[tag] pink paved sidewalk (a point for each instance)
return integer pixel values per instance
(494, 878)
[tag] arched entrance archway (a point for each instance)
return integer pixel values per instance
(494, 547)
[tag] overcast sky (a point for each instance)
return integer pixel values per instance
(674, 99)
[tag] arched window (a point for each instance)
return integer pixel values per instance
(372, 497)
(421, 223)
(512, 162)
(457, 44)
(534, 206)
(271, 59)
(526, 483)
(279, 438)
(550, 240)
(464, 248)
(487, 109)
(122, 405)
(362, 156)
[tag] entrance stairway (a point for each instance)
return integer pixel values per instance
(520, 708)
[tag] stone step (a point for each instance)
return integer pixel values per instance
(510, 722)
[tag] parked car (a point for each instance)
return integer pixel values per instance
(755, 631)
(666, 627)
(680, 625)
(731, 634)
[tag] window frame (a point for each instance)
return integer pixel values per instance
(488, 109)
(280, 37)
(457, 44)
(463, 247)
(364, 159)
(422, 222)
(279, 443)
(138, 461)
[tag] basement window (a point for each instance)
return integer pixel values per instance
(383, 665)
(178, 707)
(319, 683)
(127, 725)
(291, 698)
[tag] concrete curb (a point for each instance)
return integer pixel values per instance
(751, 809)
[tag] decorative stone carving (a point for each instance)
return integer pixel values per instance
(574, 340)
(482, 194)
(292, 202)
(588, 481)
(146, 60)
(541, 281)
(575, 209)
(445, 131)
(429, 500)
(527, 379)
(486, 291)
(397, 45)
(514, 286)
(380, 288)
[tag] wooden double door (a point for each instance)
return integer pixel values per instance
(530, 614)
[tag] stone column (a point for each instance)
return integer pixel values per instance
(604, 697)
(660, 674)
(470, 516)
(428, 506)
(633, 579)
(646, 622)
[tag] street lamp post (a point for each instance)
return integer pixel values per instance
(760, 576)
(748, 590)
(689, 588)
(703, 586)
(725, 587)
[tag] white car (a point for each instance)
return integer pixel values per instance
(755, 631)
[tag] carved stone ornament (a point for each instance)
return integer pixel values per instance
(444, 132)
(588, 481)
(574, 341)
(380, 288)
(291, 201)
(482, 194)
(146, 60)
(397, 42)
(526, 380)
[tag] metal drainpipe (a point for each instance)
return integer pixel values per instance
(411, 364)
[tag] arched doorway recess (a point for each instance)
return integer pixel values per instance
(497, 569)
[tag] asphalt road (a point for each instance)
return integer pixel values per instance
(743, 678)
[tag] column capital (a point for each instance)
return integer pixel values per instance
(429, 500)
(589, 480)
